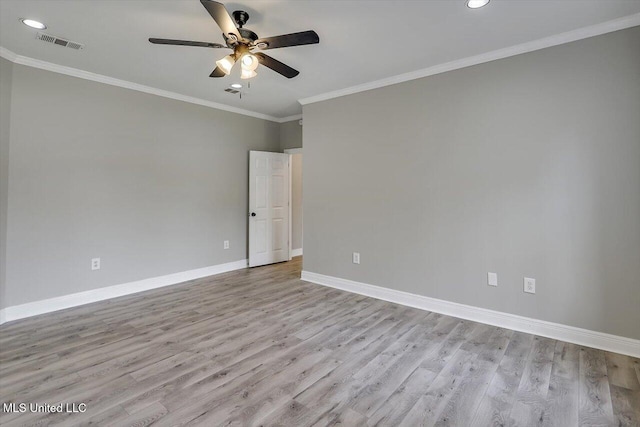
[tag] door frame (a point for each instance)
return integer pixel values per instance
(290, 152)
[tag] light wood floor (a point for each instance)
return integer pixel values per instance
(261, 347)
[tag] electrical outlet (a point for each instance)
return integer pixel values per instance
(226, 244)
(492, 279)
(529, 285)
(95, 263)
(356, 257)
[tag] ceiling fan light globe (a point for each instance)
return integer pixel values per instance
(249, 62)
(226, 63)
(247, 74)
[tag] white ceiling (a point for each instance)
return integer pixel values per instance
(360, 41)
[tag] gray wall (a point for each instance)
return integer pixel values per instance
(6, 72)
(150, 185)
(290, 135)
(296, 201)
(527, 166)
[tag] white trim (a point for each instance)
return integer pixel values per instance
(570, 36)
(290, 118)
(543, 328)
(72, 300)
(290, 152)
(293, 151)
(74, 72)
(7, 54)
(567, 37)
(290, 239)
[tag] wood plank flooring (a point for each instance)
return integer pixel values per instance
(259, 347)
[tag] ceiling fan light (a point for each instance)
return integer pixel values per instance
(249, 62)
(226, 63)
(247, 74)
(475, 4)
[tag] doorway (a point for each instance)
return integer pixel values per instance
(296, 215)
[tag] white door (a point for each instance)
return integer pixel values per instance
(268, 208)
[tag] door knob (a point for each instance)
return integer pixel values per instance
(253, 214)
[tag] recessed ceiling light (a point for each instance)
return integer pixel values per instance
(475, 4)
(33, 24)
(236, 86)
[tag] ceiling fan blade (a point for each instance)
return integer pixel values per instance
(217, 73)
(293, 39)
(185, 43)
(219, 14)
(276, 65)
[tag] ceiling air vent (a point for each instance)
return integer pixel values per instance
(231, 90)
(59, 41)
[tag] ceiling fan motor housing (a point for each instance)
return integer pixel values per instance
(248, 34)
(248, 37)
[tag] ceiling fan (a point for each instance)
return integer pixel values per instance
(243, 42)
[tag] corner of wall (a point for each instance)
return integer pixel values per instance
(291, 134)
(6, 77)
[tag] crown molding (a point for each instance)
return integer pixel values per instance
(100, 78)
(290, 118)
(7, 54)
(558, 39)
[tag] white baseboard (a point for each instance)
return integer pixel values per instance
(296, 252)
(72, 300)
(543, 328)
